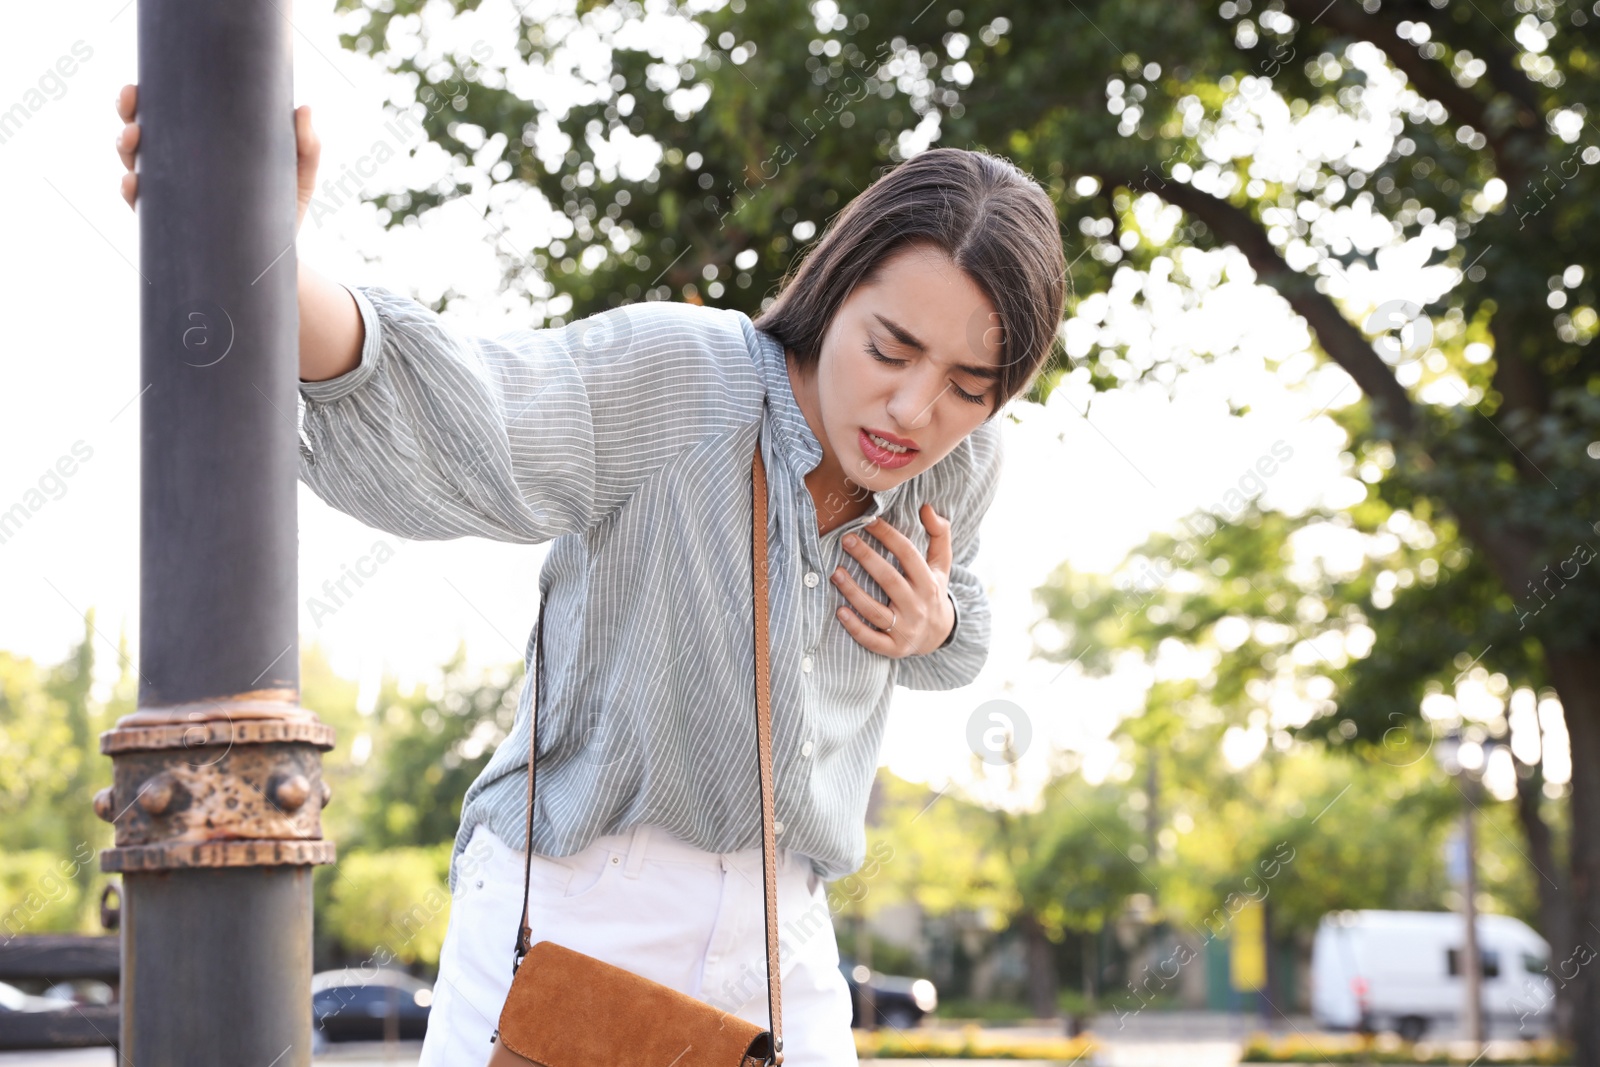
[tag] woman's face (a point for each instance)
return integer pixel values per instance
(927, 316)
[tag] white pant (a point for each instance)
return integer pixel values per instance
(657, 906)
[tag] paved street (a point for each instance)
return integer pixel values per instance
(1176, 1039)
(1146, 1039)
(1118, 1054)
(405, 1054)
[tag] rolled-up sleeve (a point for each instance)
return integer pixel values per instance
(958, 662)
(524, 437)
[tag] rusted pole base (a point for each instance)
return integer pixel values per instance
(217, 807)
(193, 786)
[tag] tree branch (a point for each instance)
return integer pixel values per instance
(1509, 552)
(1343, 343)
(1515, 378)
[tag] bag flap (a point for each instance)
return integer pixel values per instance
(566, 1009)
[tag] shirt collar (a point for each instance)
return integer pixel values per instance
(796, 441)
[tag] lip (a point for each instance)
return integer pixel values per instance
(881, 457)
(891, 438)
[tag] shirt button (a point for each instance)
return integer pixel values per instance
(777, 827)
(812, 578)
(805, 749)
(805, 664)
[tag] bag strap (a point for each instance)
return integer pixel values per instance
(763, 684)
(769, 856)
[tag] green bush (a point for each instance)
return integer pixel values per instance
(390, 906)
(40, 891)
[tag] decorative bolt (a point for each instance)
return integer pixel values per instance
(327, 792)
(291, 792)
(155, 796)
(104, 804)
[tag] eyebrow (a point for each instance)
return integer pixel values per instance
(904, 336)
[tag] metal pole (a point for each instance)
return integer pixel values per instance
(1471, 965)
(217, 786)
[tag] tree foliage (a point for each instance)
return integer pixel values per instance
(1300, 145)
(50, 769)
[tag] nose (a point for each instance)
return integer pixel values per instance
(911, 406)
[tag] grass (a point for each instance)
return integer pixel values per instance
(1069, 1003)
(971, 1042)
(1386, 1048)
(988, 1011)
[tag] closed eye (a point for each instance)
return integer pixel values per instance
(872, 347)
(971, 398)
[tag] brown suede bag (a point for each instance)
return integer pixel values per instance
(566, 1009)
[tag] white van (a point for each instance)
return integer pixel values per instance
(1399, 970)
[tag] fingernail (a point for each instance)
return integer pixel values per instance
(850, 539)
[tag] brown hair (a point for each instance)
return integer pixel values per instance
(990, 218)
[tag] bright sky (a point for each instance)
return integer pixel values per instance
(1079, 489)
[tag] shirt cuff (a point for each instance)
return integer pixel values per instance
(956, 608)
(331, 389)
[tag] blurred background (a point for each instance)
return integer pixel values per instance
(1295, 658)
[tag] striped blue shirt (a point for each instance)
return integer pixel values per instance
(626, 439)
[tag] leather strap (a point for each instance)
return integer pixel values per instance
(763, 685)
(769, 852)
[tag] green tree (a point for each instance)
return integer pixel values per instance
(1302, 827)
(333, 699)
(1077, 862)
(1475, 150)
(427, 747)
(50, 769)
(1296, 643)
(1056, 868)
(399, 774)
(391, 906)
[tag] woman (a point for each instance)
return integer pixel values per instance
(871, 383)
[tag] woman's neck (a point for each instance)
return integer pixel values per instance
(836, 497)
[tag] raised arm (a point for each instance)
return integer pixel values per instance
(424, 431)
(438, 433)
(331, 331)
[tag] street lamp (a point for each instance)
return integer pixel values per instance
(1464, 759)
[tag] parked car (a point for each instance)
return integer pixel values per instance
(896, 1001)
(1400, 971)
(368, 1004)
(14, 999)
(82, 991)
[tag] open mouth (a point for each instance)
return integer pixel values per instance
(884, 452)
